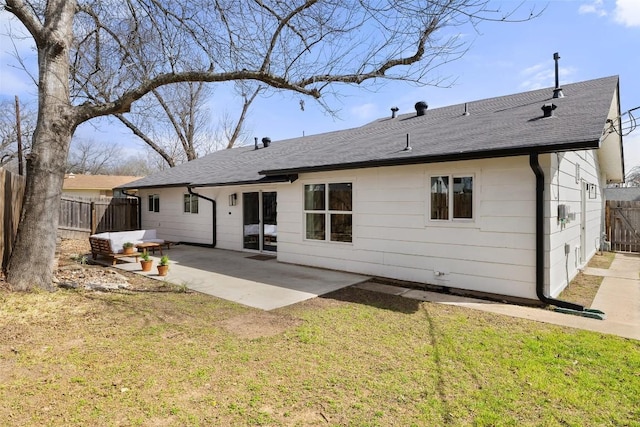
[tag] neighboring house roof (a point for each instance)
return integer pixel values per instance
(95, 182)
(622, 194)
(496, 127)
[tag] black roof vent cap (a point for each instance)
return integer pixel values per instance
(547, 110)
(421, 107)
(394, 110)
(266, 141)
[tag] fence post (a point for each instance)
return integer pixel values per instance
(94, 218)
(11, 199)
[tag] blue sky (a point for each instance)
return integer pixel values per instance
(595, 38)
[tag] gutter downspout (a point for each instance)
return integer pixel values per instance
(139, 206)
(214, 236)
(537, 170)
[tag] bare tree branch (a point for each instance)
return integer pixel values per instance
(99, 57)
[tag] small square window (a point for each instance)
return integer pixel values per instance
(328, 211)
(154, 203)
(451, 191)
(190, 203)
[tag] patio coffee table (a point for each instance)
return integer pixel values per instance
(150, 245)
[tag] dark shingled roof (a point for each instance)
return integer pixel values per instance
(622, 194)
(495, 127)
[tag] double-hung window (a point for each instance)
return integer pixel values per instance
(190, 203)
(451, 197)
(328, 211)
(154, 203)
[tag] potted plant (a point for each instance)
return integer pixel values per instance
(163, 267)
(146, 261)
(127, 248)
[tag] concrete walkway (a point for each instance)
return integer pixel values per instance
(251, 279)
(618, 297)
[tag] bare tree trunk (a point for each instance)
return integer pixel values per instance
(123, 51)
(31, 262)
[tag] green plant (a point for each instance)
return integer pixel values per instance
(164, 260)
(145, 256)
(127, 245)
(82, 259)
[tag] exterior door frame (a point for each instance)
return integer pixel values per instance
(259, 225)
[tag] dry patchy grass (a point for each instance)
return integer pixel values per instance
(583, 288)
(351, 358)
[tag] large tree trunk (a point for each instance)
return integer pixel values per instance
(31, 262)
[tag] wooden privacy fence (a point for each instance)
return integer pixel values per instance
(623, 225)
(80, 217)
(11, 197)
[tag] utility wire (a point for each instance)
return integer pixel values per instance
(627, 125)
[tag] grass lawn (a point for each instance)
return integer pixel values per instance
(352, 358)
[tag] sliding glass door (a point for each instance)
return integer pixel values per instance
(259, 216)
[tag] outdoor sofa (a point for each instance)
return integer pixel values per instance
(110, 244)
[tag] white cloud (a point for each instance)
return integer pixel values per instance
(543, 75)
(12, 32)
(14, 39)
(627, 13)
(594, 7)
(364, 111)
(632, 150)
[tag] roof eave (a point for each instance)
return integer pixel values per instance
(289, 177)
(473, 155)
(143, 187)
(271, 179)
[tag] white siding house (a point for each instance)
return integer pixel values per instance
(502, 201)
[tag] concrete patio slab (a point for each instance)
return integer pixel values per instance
(257, 281)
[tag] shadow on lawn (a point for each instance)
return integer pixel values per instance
(375, 299)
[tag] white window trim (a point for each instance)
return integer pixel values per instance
(154, 197)
(451, 177)
(326, 211)
(191, 197)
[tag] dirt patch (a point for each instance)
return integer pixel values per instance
(582, 289)
(77, 269)
(259, 324)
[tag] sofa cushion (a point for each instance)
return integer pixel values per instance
(118, 238)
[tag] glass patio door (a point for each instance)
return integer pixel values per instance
(260, 229)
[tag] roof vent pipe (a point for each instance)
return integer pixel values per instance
(557, 92)
(421, 107)
(466, 111)
(547, 110)
(408, 147)
(266, 141)
(394, 110)
(255, 143)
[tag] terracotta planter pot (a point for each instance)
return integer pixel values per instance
(163, 270)
(128, 251)
(146, 265)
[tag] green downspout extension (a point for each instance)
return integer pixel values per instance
(562, 306)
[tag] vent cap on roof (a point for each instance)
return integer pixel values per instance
(266, 141)
(421, 107)
(547, 110)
